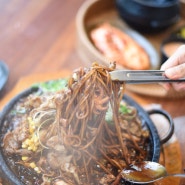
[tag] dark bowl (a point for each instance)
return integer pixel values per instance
(148, 15)
(154, 140)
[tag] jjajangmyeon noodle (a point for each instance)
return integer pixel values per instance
(83, 134)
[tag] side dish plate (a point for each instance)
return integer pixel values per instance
(86, 20)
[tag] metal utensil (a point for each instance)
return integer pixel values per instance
(146, 172)
(141, 76)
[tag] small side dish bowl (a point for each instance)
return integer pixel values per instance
(149, 16)
(169, 46)
(179, 32)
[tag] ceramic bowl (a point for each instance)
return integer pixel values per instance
(169, 46)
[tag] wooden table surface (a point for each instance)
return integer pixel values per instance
(40, 37)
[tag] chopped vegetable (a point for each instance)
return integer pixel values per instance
(52, 85)
(124, 109)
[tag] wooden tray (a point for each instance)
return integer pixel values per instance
(171, 150)
(106, 12)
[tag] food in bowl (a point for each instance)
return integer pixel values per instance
(169, 46)
(120, 47)
(180, 32)
(81, 134)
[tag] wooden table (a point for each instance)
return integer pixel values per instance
(39, 37)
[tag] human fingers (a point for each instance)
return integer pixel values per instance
(177, 58)
(166, 86)
(176, 72)
(179, 86)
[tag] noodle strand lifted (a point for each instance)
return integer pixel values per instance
(83, 134)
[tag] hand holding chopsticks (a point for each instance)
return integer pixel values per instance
(174, 68)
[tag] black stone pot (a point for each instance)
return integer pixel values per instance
(154, 147)
(149, 15)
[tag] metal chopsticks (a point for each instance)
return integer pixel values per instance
(142, 76)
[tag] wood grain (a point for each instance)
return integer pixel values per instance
(39, 37)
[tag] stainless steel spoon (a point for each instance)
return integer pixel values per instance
(146, 172)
